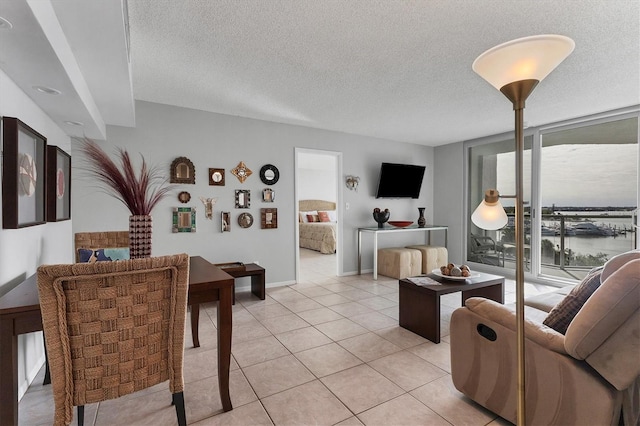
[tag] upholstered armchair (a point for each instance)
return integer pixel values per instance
(590, 375)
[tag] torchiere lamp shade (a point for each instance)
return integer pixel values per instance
(527, 58)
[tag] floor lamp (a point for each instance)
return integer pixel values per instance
(515, 68)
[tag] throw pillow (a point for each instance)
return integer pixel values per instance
(563, 313)
(324, 217)
(312, 218)
(103, 255)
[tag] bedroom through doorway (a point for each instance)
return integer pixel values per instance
(317, 202)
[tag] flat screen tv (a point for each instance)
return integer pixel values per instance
(400, 181)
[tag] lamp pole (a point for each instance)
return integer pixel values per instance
(517, 92)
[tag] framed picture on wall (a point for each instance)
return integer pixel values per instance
(58, 184)
(23, 175)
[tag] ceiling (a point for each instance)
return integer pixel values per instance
(397, 70)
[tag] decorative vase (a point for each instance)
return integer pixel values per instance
(381, 216)
(140, 227)
(421, 220)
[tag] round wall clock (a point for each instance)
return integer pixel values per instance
(269, 174)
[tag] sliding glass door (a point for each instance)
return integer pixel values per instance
(581, 195)
(588, 195)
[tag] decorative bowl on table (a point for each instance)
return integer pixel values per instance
(400, 223)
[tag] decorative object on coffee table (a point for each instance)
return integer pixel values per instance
(241, 171)
(381, 216)
(421, 220)
(140, 192)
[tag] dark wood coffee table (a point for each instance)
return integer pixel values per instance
(420, 304)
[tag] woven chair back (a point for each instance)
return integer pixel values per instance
(113, 328)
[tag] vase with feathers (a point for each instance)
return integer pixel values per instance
(139, 192)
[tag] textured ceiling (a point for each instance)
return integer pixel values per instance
(398, 70)
(392, 69)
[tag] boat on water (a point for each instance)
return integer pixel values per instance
(589, 229)
(548, 232)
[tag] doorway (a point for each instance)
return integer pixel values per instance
(317, 177)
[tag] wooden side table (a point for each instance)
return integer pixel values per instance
(420, 304)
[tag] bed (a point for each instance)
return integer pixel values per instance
(315, 234)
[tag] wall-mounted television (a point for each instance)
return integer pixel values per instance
(400, 181)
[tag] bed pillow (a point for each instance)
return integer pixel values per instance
(333, 217)
(103, 255)
(563, 313)
(304, 215)
(324, 216)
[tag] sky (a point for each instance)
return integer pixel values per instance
(579, 175)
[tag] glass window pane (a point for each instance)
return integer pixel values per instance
(492, 166)
(589, 189)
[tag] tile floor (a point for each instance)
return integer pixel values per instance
(325, 351)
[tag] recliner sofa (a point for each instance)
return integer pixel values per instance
(590, 375)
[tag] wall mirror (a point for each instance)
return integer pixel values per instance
(184, 219)
(216, 177)
(245, 220)
(241, 171)
(226, 221)
(269, 174)
(243, 198)
(182, 171)
(268, 195)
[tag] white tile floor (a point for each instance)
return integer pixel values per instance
(325, 351)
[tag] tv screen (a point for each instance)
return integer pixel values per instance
(400, 181)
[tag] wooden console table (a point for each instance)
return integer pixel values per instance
(20, 314)
(391, 229)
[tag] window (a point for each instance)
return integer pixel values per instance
(581, 178)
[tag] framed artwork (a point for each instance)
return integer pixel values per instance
(225, 218)
(269, 218)
(184, 219)
(58, 184)
(23, 175)
(243, 198)
(216, 177)
(268, 195)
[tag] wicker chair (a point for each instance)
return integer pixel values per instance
(114, 328)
